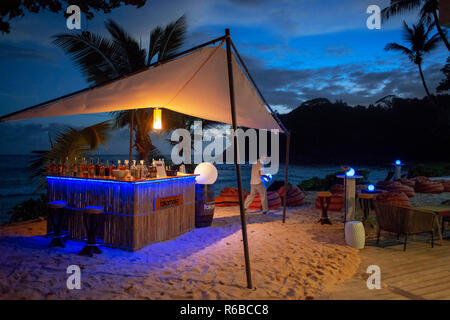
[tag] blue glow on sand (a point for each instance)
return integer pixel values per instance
(350, 172)
(371, 187)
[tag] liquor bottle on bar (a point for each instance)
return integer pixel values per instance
(122, 167)
(133, 169)
(153, 170)
(91, 169)
(141, 169)
(126, 165)
(102, 170)
(66, 167)
(75, 168)
(97, 169)
(111, 169)
(107, 174)
(82, 167)
(60, 168)
(119, 165)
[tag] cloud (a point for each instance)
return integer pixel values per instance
(353, 83)
(338, 50)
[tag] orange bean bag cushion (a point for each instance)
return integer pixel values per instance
(336, 202)
(398, 187)
(420, 178)
(229, 197)
(393, 198)
(273, 200)
(428, 186)
(446, 184)
(407, 182)
(295, 196)
(382, 184)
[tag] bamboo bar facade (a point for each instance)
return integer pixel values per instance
(135, 213)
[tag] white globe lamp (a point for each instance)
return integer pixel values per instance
(207, 173)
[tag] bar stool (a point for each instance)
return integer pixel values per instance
(55, 210)
(91, 221)
(324, 199)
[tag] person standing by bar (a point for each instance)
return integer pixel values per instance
(257, 185)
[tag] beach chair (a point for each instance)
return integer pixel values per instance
(404, 221)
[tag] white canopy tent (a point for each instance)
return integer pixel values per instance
(204, 82)
(196, 84)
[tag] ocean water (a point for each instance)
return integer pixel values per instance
(16, 186)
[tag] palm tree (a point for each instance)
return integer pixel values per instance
(428, 13)
(70, 143)
(102, 59)
(420, 44)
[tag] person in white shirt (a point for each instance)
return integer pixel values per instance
(257, 186)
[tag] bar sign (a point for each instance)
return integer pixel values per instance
(168, 202)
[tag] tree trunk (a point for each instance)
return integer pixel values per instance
(143, 156)
(423, 80)
(441, 32)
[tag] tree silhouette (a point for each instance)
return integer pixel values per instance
(420, 44)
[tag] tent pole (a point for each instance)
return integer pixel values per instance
(131, 137)
(238, 166)
(288, 142)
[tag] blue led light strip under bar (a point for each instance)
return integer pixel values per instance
(116, 181)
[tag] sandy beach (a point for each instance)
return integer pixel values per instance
(300, 259)
(296, 260)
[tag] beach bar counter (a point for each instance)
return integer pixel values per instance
(136, 213)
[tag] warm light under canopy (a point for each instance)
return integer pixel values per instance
(157, 119)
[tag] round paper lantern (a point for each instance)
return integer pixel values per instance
(350, 172)
(207, 173)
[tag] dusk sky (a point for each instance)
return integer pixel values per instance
(296, 50)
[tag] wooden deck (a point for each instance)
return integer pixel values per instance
(420, 273)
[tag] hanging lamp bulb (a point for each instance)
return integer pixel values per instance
(157, 119)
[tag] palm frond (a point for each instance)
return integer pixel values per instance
(427, 12)
(432, 43)
(398, 7)
(172, 38)
(131, 55)
(121, 119)
(154, 44)
(397, 47)
(96, 56)
(70, 143)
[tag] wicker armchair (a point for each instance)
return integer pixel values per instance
(404, 221)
